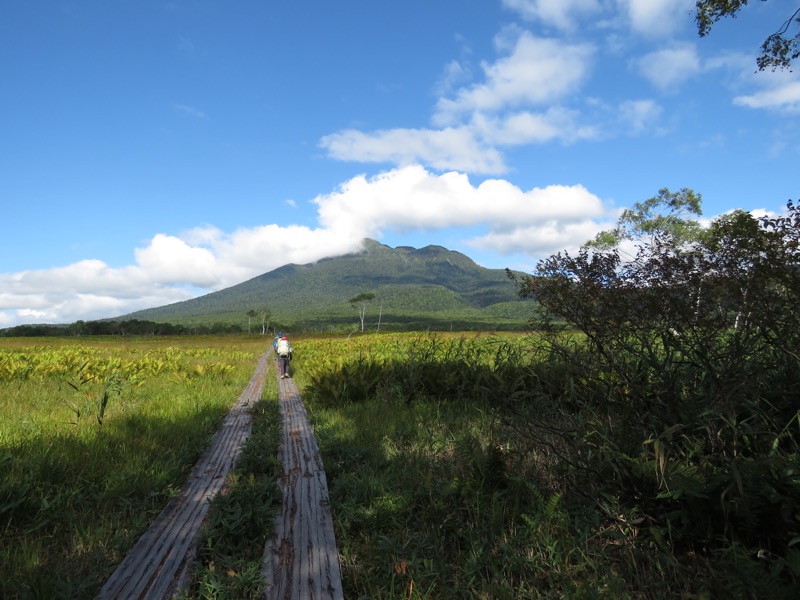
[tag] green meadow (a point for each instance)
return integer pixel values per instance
(521, 466)
(458, 465)
(96, 435)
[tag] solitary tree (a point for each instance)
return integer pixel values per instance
(360, 304)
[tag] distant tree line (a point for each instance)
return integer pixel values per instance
(128, 327)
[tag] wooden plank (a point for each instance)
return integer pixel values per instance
(301, 560)
(156, 565)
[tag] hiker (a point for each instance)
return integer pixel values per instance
(284, 350)
(275, 344)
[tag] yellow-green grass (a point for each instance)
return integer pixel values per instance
(96, 435)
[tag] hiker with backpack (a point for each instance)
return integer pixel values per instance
(275, 344)
(284, 351)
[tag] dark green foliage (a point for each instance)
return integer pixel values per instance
(246, 506)
(121, 328)
(431, 367)
(683, 391)
(528, 482)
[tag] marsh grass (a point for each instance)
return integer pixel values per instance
(430, 501)
(433, 495)
(473, 468)
(86, 462)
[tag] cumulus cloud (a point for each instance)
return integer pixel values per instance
(514, 103)
(541, 239)
(533, 91)
(648, 18)
(657, 18)
(88, 289)
(449, 148)
(668, 68)
(171, 268)
(525, 127)
(562, 14)
(413, 198)
(783, 98)
(536, 71)
(777, 91)
(544, 89)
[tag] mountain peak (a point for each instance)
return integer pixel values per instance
(430, 284)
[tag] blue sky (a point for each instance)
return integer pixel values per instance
(156, 151)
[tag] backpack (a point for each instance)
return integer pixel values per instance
(283, 347)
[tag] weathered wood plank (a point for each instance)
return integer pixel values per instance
(156, 564)
(301, 560)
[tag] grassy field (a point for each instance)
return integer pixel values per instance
(484, 467)
(459, 466)
(96, 435)
(434, 494)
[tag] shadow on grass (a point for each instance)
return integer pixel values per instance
(72, 506)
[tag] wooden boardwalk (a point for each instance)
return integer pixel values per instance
(300, 561)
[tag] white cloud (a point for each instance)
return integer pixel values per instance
(658, 18)
(668, 68)
(173, 268)
(783, 98)
(169, 260)
(537, 71)
(648, 18)
(543, 238)
(455, 73)
(777, 91)
(412, 198)
(639, 115)
(533, 92)
(479, 118)
(527, 127)
(449, 148)
(562, 14)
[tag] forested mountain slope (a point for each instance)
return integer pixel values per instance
(426, 287)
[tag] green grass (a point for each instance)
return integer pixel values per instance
(86, 465)
(430, 501)
(457, 468)
(241, 517)
(450, 464)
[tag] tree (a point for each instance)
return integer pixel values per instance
(778, 50)
(360, 304)
(266, 315)
(250, 314)
(687, 365)
(668, 213)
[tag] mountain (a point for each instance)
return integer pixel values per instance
(426, 288)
